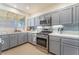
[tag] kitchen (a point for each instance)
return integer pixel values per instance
(39, 29)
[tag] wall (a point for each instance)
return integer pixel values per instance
(7, 25)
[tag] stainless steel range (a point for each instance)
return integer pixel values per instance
(42, 38)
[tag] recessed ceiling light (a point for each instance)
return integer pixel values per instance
(15, 6)
(27, 7)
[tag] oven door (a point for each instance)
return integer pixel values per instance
(42, 42)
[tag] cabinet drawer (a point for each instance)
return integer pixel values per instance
(71, 41)
(54, 38)
(4, 36)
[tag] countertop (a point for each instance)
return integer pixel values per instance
(65, 35)
(4, 33)
(32, 31)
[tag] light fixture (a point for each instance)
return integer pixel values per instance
(27, 7)
(15, 6)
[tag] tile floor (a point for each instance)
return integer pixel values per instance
(25, 49)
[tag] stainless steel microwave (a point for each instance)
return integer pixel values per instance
(46, 21)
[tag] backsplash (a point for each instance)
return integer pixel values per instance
(71, 28)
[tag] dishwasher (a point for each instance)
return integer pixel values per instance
(1, 42)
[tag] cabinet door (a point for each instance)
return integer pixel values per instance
(54, 47)
(32, 22)
(6, 42)
(69, 50)
(20, 38)
(66, 16)
(54, 38)
(29, 38)
(25, 37)
(33, 38)
(13, 40)
(76, 14)
(37, 21)
(55, 18)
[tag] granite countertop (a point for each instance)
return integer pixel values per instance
(4, 33)
(65, 35)
(32, 31)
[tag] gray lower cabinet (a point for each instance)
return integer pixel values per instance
(29, 38)
(69, 50)
(33, 37)
(69, 46)
(25, 37)
(63, 45)
(20, 38)
(6, 41)
(54, 45)
(13, 40)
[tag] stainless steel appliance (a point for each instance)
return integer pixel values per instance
(46, 21)
(42, 38)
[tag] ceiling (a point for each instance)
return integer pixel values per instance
(35, 8)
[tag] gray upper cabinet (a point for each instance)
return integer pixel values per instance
(6, 42)
(42, 17)
(37, 21)
(66, 15)
(76, 13)
(54, 45)
(55, 18)
(32, 21)
(13, 40)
